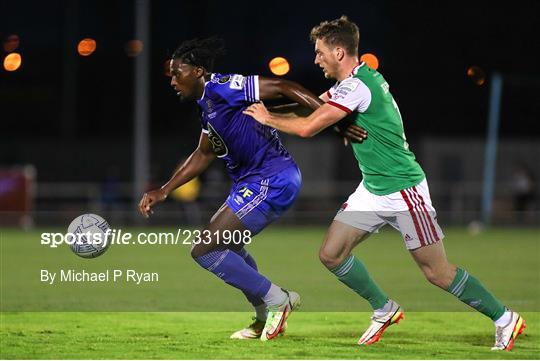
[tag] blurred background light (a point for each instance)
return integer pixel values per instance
(133, 48)
(86, 47)
(371, 60)
(279, 66)
(12, 61)
(11, 43)
(477, 75)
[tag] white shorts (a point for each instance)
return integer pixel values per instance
(409, 211)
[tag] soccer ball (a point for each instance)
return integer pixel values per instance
(87, 236)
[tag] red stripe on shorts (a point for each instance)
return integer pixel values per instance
(416, 225)
(421, 216)
(432, 226)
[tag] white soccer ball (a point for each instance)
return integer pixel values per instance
(87, 235)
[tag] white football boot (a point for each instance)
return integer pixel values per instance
(253, 331)
(505, 336)
(380, 323)
(276, 321)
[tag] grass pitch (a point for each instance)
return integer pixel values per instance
(197, 335)
(42, 321)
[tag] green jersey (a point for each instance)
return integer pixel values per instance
(386, 163)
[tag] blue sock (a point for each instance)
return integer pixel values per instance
(232, 268)
(248, 258)
(255, 301)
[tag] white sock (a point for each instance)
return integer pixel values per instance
(384, 309)
(275, 296)
(504, 319)
(260, 312)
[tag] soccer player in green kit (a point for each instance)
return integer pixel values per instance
(393, 191)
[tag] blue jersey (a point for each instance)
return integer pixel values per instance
(251, 151)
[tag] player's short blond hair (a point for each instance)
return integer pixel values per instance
(340, 31)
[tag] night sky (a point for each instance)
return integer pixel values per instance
(424, 48)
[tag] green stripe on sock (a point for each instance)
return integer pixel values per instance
(461, 285)
(460, 290)
(458, 280)
(354, 274)
(470, 291)
(344, 267)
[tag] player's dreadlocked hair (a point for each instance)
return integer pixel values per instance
(340, 31)
(200, 52)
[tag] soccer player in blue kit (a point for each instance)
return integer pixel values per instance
(266, 179)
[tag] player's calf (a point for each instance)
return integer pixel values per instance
(441, 277)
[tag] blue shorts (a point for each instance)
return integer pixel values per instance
(260, 203)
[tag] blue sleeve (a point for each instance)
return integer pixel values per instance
(251, 90)
(239, 90)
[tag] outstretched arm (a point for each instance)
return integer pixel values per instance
(306, 102)
(276, 88)
(305, 127)
(291, 110)
(197, 163)
(295, 109)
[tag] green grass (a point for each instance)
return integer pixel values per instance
(197, 335)
(437, 326)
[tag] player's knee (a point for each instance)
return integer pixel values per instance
(439, 278)
(431, 277)
(329, 259)
(199, 251)
(195, 253)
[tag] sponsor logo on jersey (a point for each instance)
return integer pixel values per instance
(209, 105)
(238, 199)
(237, 82)
(349, 84)
(246, 192)
(344, 88)
(224, 79)
(385, 87)
(218, 145)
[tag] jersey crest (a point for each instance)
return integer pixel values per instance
(224, 79)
